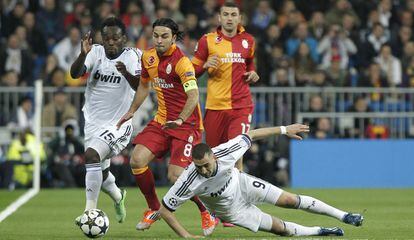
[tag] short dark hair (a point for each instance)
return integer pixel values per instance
(113, 22)
(230, 4)
(169, 23)
(200, 150)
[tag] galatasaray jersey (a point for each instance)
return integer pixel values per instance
(227, 88)
(167, 74)
(217, 192)
(108, 94)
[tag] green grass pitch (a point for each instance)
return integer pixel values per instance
(389, 214)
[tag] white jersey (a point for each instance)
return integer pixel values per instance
(108, 94)
(218, 192)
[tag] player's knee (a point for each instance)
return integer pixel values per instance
(287, 200)
(138, 160)
(278, 227)
(91, 156)
(135, 163)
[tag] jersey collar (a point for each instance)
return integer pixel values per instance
(215, 172)
(240, 29)
(117, 56)
(170, 51)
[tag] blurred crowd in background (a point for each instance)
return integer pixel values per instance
(319, 43)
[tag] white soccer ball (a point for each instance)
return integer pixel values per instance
(94, 223)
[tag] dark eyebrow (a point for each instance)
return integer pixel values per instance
(200, 165)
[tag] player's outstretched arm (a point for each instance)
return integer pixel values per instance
(291, 131)
(173, 222)
(140, 95)
(78, 67)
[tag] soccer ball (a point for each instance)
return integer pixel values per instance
(94, 223)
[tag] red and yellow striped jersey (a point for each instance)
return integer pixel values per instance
(226, 86)
(167, 74)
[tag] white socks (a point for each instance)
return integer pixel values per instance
(93, 182)
(316, 206)
(294, 229)
(109, 187)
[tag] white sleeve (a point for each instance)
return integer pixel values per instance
(91, 58)
(180, 192)
(234, 149)
(134, 64)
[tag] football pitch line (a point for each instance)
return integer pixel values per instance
(18, 203)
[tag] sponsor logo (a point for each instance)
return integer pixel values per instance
(168, 69)
(232, 57)
(107, 78)
(245, 44)
(222, 189)
(161, 83)
(184, 160)
(190, 139)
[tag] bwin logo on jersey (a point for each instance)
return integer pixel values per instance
(107, 78)
(221, 190)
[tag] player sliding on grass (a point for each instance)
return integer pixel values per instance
(232, 194)
(114, 75)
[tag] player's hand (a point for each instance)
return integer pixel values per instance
(124, 118)
(86, 43)
(251, 77)
(173, 124)
(120, 66)
(212, 62)
(293, 130)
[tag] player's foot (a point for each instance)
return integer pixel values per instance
(335, 231)
(78, 220)
(226, 224)
(355, 219)
(120, 208)
(150, 216)
(208, 223)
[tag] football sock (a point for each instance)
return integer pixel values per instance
(294, 229)
(313, 205)
(146, 183)
(93, 182)
(109, 187)
(200, 205)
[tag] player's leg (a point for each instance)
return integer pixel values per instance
(93, 178)
(181, 158)
(313, 205)
(239, 121)
(116, 140)
(144, 178)
(277, 226)
(151, 143)
(118, 196)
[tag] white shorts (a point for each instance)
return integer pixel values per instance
(107, 141)
(252, 191)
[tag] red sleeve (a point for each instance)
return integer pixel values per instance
(144, 72)
(250, 61)
(200, 56)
